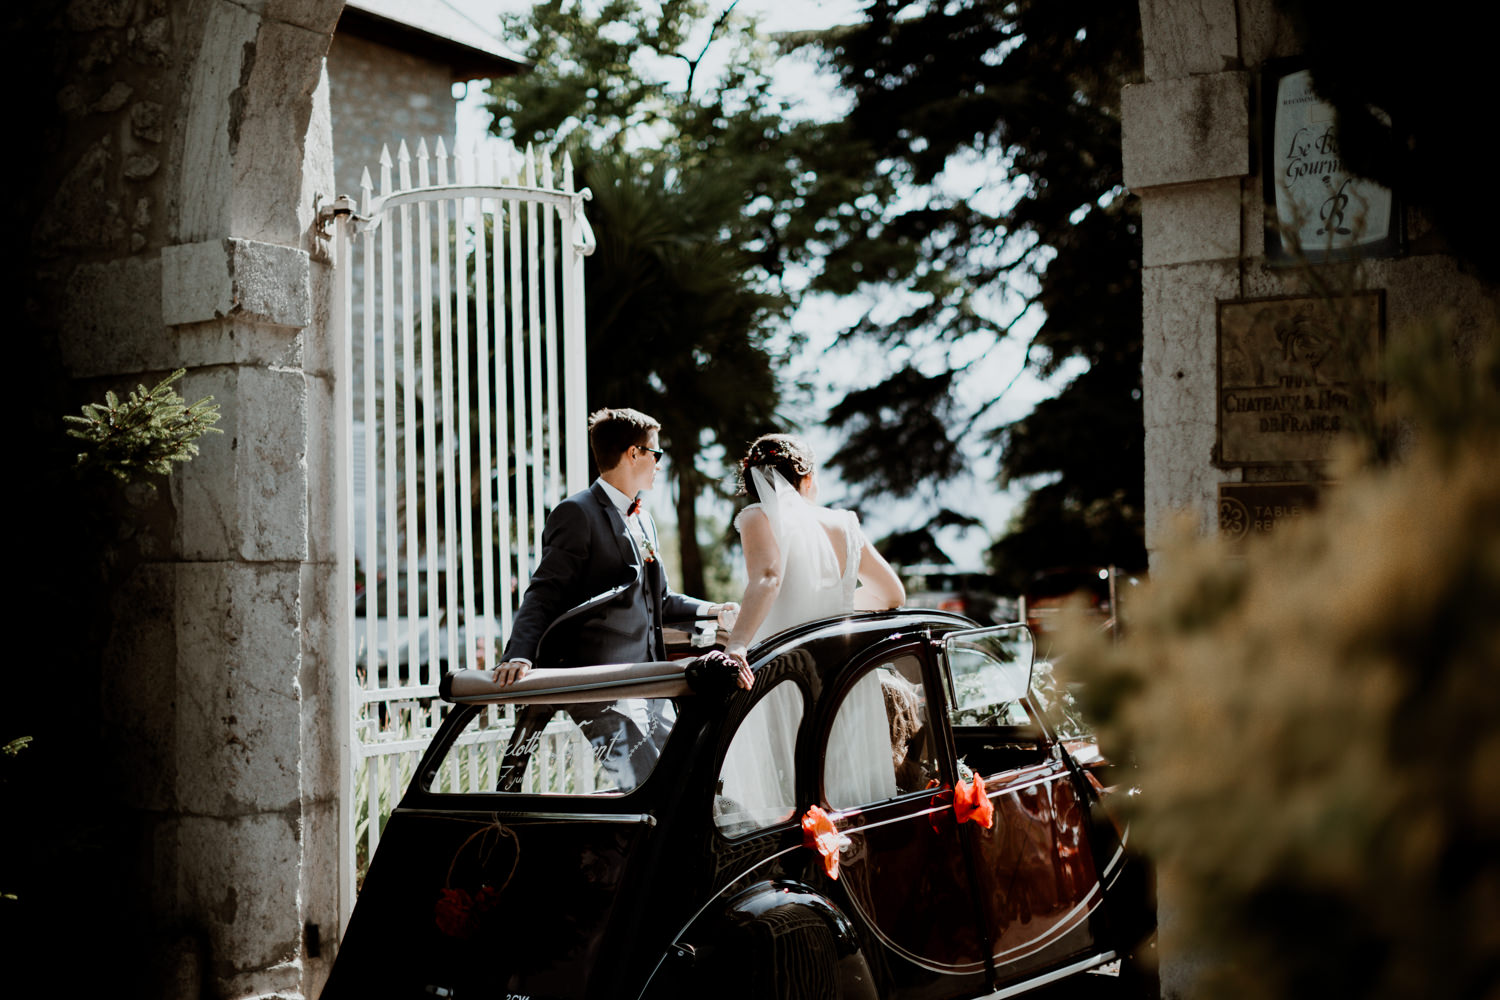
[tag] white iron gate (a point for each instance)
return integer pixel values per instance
(461, 399)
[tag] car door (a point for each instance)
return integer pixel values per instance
(541, 889)
(1037, 883)
(904, 876)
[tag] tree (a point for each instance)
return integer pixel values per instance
(673, 327)
(710, 191)
(1030, 90)
(865, 201)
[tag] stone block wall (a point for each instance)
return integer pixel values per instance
(380, 96)
(1191, 155)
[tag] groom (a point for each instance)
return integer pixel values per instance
(600, 594)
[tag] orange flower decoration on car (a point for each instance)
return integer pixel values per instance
(819, 833)
(971, 803)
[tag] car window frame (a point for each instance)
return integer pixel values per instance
(582, 805)
(799, 750)
(937, 699)
(1040, 729)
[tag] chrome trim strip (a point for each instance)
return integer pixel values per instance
(1119, 853)
(1083, 909)
(512, 816)
(842, 814)
(1103, 958)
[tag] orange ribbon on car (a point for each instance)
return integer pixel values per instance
(971, 803)
(819, 833)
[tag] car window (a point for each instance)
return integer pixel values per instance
(988, 674)
(881, 744)
(608, 748)
(757, 786)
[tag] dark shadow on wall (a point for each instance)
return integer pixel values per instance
(76, 864)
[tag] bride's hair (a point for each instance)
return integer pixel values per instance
(786, 454)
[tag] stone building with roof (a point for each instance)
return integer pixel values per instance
(394, 70)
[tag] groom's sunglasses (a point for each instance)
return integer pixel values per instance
(656, 453)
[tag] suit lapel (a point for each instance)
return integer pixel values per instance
(616, 521)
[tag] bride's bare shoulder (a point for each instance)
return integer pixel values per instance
(739, 519)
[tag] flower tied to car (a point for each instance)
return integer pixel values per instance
(971, 803)
(819, 833)
(969, 800)
(458, 911)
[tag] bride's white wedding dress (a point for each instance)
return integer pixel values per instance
(815, 583)
(812, 583)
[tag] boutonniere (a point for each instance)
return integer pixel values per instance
(638, 530)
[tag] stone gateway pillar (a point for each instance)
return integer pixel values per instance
(1194, 145)
(174, 227)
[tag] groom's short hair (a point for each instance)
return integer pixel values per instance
(612, 432)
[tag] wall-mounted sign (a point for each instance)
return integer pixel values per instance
(1247, 510)
(1288, 368)
(1316, 209)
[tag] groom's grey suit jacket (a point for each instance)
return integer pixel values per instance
(594, 598)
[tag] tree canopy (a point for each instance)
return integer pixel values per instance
(672, 327)
(1030, 91)
(974, 188)
(706, 190)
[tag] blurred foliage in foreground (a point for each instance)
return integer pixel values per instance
(1317, 719)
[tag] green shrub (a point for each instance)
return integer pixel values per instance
(1316, 718)
(143, 434)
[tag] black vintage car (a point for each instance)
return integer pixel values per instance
(893, 811)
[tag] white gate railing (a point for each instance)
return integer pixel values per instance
(462, 421)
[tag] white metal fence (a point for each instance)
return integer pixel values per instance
(459, 299)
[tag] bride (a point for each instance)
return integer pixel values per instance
(804, 561)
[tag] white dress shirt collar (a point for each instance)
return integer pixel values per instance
(621, 501)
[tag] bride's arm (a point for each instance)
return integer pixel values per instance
(880, 588)
(763, 565)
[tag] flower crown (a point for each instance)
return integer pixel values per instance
(769, 453)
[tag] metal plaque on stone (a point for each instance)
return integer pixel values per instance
(1288, 369)
(1316, 209)
(1250, 510)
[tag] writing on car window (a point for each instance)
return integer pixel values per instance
(603, 748)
